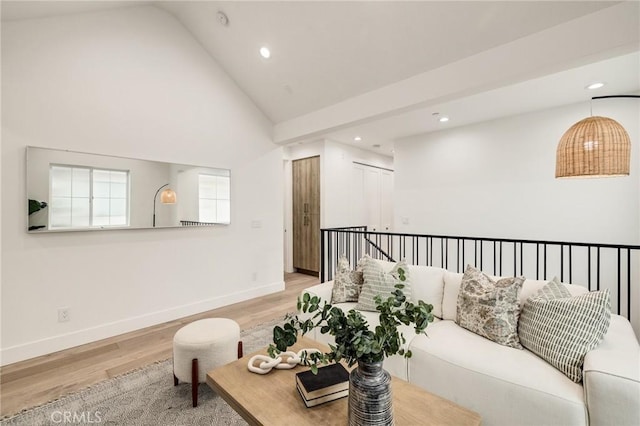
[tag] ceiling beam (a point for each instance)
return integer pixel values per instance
(601, 35)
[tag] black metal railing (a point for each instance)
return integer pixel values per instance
(195, 223)
(592, 265)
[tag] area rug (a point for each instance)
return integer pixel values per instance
(144, 397)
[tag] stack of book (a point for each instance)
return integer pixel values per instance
(331, 383)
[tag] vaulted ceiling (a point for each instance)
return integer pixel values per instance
(380, 70)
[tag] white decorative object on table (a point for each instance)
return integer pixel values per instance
(265, 366)
(268, 363)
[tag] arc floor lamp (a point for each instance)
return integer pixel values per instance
(168, 196)
(594, 147)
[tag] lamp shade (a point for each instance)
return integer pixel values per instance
(594, 147)
(168, 196)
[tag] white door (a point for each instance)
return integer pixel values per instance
(371, 201)
(357, 198)
(372, 198)
(386, 200)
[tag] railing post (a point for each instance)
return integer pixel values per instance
(322, 255)
(629, 284)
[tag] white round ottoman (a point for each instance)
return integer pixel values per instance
(202, 346)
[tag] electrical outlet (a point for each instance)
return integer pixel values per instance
(254, 276)
(63, 315)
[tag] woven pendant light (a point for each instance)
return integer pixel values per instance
(168, 196)
(594, 147)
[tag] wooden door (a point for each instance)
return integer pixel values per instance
(306, 215)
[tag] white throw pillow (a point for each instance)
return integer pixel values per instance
(452, 283)
(427, 284)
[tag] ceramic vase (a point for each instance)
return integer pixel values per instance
(370, 395)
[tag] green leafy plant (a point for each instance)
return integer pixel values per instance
(35, 205)
(354, 341)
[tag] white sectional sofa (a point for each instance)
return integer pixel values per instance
(508, 386)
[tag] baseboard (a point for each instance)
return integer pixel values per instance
(80, 337)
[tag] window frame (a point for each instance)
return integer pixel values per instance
(200, 198)
(91, 225)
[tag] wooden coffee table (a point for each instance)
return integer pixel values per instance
(272, 399)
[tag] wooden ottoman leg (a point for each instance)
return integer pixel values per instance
(240, 351)
(194, 381)
(175, 379)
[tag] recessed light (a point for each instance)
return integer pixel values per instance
(357, 139)
(265, 52)
(443, 119)
(376, 145)
(595, 85)
(222, 18)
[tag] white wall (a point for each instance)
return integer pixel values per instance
(497, 179)
(132, 83)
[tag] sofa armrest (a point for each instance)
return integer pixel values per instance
(323, 291)
(611, 377)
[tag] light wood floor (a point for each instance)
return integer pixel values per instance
(33, 382)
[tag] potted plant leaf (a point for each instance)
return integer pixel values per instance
(36, 206)
(355, 342)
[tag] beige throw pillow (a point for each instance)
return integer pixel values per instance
(380, 283)
(347, 283)
(490, 308)
(561, 329)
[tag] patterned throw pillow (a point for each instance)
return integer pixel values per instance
(490, 308)
(346, 284)
(561, 329)
(380, 283)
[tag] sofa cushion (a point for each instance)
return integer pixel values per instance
(347, 283)
(427, 284)
(561, 329)
(490, 308)
(377, 282)
(506, 386)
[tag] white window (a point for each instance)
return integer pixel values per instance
(214, 199)
(84, 197)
